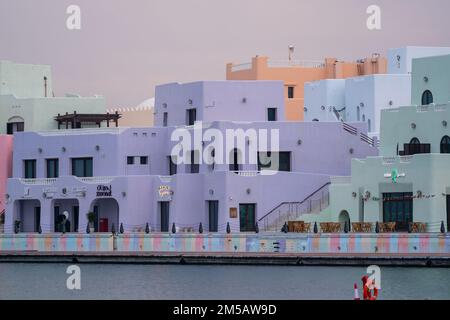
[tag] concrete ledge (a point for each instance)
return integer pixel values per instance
(416, 260)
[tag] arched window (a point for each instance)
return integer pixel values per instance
(15, 124)
(445, 144)
(414, 146)
(414, 141)
(427, 98)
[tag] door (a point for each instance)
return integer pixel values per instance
(213, 214)
(104, 225)
(37, 218)
(398, 207)
(164, 211)
(448, 213)
(96, 218)
(76, 214)
(56, 219)
(247, 217)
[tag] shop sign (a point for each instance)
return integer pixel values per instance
(104, 190)
(164, 191)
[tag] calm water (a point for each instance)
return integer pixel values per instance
(102, 281)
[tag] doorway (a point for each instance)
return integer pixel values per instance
(164, 212)
(398, 207)
(213, 215)
(448, 212)
(37, 218)
(247, 217)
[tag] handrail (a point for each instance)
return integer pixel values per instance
(297, 202)
(350, 129)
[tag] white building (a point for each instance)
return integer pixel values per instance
(325, 100)
(27, 102)
(400, 59)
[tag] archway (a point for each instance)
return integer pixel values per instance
(27, 213)
(61, 207)
(106, 212)
(344, 217)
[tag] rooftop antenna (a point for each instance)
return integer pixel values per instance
(291, 52)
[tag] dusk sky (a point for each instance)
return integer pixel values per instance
(125, 48)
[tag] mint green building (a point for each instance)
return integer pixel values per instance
(27, 101)
(410, 180)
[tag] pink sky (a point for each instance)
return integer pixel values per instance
(125, 48)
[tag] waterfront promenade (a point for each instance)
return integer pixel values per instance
(428, 249)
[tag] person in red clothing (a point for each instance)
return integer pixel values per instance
(368, 286)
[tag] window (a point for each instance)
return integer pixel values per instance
(265, 161)
(172, 166)
(445, 144)
(235, 160)
(415, 147)
(130, 160)
(369, 125)
(82, 167)
(30, 169)
(52, 168)
(358, 114)
(12, 127)
(427, 98)
(195, 160)
(144, 160)
(290, 92)
(191, 116)
(272, 114)
(165, 119)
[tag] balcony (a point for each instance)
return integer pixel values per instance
(415, 148)
(38, 181)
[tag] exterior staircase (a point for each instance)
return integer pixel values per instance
(290, 211)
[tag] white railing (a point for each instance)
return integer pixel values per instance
(341, 180)
(241, 66)
(95, 179)
(296, 63)
(38, 181)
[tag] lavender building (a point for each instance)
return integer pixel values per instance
(130, 176)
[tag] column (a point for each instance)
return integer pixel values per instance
(47, 218)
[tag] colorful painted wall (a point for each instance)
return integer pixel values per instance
(263, 243)
(6, 146)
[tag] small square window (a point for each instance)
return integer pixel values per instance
(144, 160)
(130, 160)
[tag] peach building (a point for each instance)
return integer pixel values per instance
(6, 143)
(296, 73)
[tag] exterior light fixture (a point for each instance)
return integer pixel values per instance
(354, 194)
(40, 150)
(413, 125)
(299, 142)
(444, 123)
(164, 105)
(322, 107)
(248, 190)
(361, 104)
(426, 79)
(306, 109)
(391, 103)
(211, 191)
(351, 150)
(190, 102)
(124, 194)
(419, 194)
(97, 147)
(63, 149)
(244, 100)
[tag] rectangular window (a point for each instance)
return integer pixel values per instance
(144, 160)
(172, 166)
(165, 119)
(290, 92)
(82, 167)
(195, 162)
(265, 161)
(30, 169)
(191, 116)
(272, 114)
(52, 168)
(130, 160)
(213, 214)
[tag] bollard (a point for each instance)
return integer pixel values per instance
(121, 228)
(256, 227)
(174, 229)
(356, 292)
(315, 227)
(200, 228)
(442, 227)
(228, 228)
(147, 228)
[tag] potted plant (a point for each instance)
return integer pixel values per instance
(17, 226)
(91, 218)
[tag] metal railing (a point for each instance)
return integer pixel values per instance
(285, 211)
